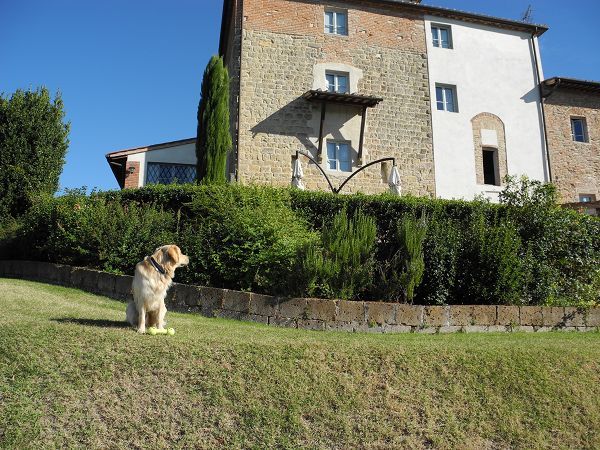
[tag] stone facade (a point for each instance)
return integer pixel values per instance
(488, 132)
(575, 165)
(319, 314)
(282, 42)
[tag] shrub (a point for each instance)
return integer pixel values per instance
(94, 232)
(245, 238)
(341, 266)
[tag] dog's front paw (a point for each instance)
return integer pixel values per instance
(141, 330)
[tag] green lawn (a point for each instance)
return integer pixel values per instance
(72, 375)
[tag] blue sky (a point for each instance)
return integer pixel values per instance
(130, 71)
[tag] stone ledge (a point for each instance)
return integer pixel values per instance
(320, 314)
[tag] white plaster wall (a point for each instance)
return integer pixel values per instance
(493, 71)
(177, 154)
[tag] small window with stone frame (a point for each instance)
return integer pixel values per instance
(338, 82)
(579, 129)
(491, 175)
(336, 22)
(338, 156)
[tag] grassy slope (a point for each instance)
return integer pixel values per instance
(72, 375)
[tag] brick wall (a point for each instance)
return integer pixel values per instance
(132, 174)
(575, 165)
(282, 41)
(319, 314)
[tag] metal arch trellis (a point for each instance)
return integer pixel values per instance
(337, 191)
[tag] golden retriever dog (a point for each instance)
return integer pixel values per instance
(153, 277)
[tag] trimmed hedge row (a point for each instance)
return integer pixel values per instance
(261, 239)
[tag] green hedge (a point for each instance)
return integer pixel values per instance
(258, 238)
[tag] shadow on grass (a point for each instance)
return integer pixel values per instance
(102, 323)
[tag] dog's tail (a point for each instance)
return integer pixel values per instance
(131, 314)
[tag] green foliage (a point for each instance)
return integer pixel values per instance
(91, 231)
(411, 234)
(342, 265)
(244, 238)
(290, 242)
(214, 137)
(33, 144)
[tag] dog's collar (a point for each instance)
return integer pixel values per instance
(157, 266)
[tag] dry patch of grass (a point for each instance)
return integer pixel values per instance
(73, 375)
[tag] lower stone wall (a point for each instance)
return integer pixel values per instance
(319, 314)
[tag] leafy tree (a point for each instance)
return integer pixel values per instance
(33, 144)
(214, 138)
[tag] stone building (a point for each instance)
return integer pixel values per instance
(455, 98)
(572, 111)
(452, 96)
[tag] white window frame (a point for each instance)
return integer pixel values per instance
(444, 88)
(337, 155)
(586, 138)
(336, 84)
(436, 28)
(334, 18)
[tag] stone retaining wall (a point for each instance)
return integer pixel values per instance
(319, 314)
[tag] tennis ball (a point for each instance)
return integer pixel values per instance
(152, 331)
(171, 331)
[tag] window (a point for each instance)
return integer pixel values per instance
(337, 82)
(579, 129)
(336, 22)
(165, 173)
(446, 98)
(586, 198)
(338, 156)
(490, 166)
(441, 36)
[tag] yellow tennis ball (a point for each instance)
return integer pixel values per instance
(171, 331)
(152, 331)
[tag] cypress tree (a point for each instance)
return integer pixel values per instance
(214, 138)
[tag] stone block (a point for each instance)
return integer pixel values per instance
(258, 318)
(553, 316)
(293, 308)
(211, 299)
(320, 309)
(106, 284)
(283, 322)
(411, 315)
(184, 296)
(236, 301)
(84, 279)
(6, 268)
(508, 315)
(575, 317)
(524, 329)
(265, 305)
(426, 330)
(475, 329)
(398, 329)
(593, 317)
(461, 315)
(484, 315)
(123, 287)
(380, 313)
(311, 324)
(450, 329)
(435, 316)
(228, 314)
(341, 326)
(62, 276)
(531, 316)
(349, 311)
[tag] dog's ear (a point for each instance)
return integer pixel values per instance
(173, 254)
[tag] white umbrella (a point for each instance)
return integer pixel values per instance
(394, 181)
(297, 175)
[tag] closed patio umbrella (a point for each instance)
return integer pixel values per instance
(297, 175)
(394, 181)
